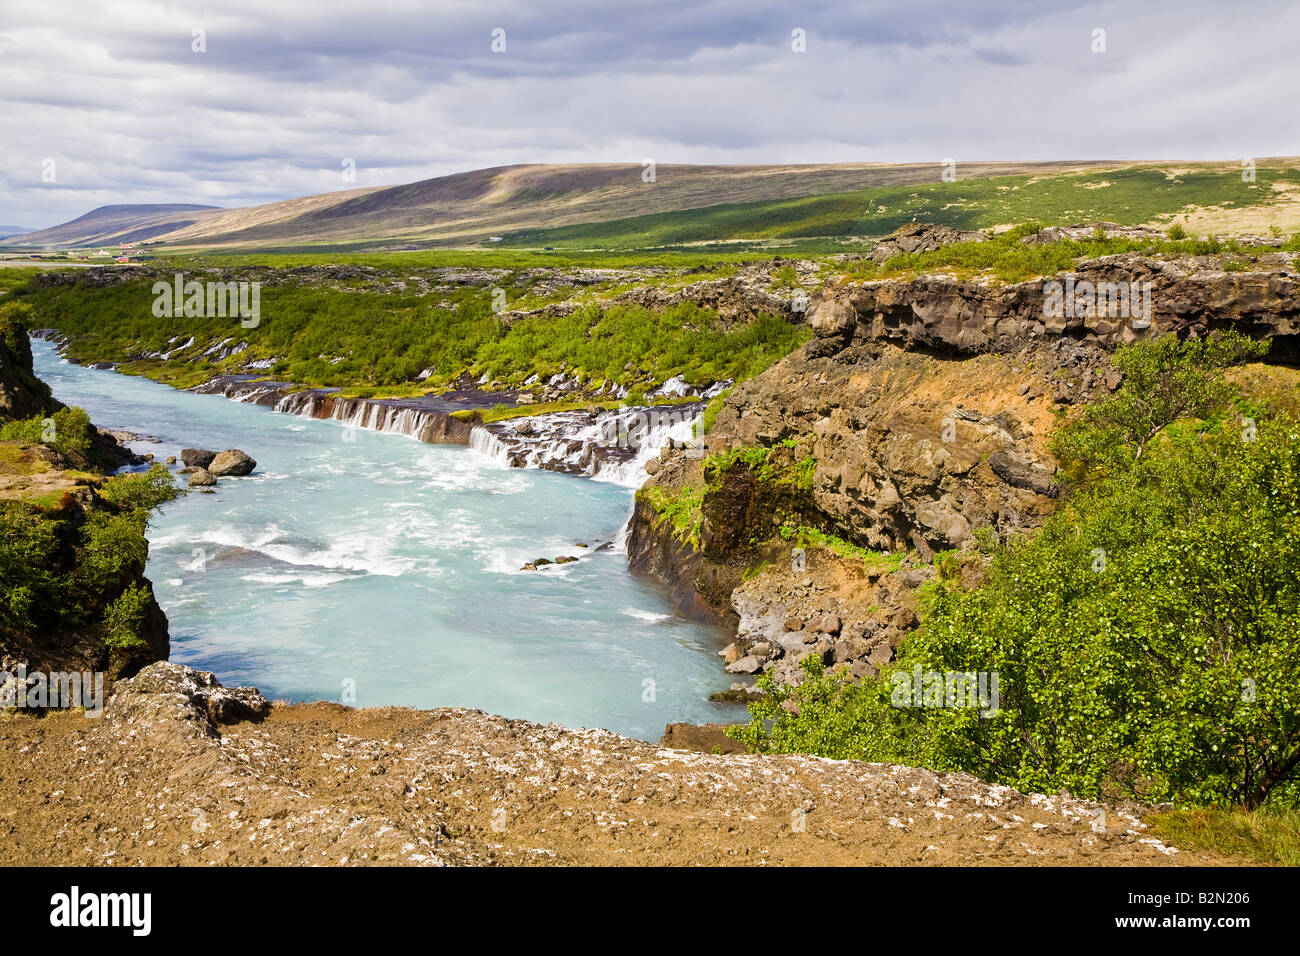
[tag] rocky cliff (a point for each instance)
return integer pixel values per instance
(922, 410)
(48, 496)
(960, 316)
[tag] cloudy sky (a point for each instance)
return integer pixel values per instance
(113, 101)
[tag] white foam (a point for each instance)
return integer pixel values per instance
(648, 616)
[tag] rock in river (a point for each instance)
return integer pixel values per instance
(232, 461)
(201, 478)
(197, 457)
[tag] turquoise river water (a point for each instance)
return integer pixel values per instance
(355, 562)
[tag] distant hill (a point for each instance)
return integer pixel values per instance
(612, 206)
(116, 224)
(7, 231)
(468, 208)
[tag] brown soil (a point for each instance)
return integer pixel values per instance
(324, 784)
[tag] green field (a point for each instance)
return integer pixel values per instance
(1132, 195)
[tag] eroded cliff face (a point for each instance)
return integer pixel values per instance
(926, 406)
(1189, 296)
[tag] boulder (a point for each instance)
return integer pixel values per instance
(201, 478)
(832, 317)
(828, 623)
(702, 738)
(749, 664)
(232, 461)
(1018, 472)
(180, 691)
(197, 457)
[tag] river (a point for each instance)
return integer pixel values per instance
(373, 569)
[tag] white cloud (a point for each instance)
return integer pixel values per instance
(114, 95)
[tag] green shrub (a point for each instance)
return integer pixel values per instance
(1144, 642)
(140, 491)
(124, 619)
(29, 588)
(67, 431)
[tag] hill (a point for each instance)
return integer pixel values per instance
(470, 208)
(115, 224)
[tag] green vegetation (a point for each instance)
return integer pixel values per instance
(62, 568)
(1130, 195)
(1165, 382)
(124, 619)
(709, 417)
(384, 340)
(630, 343)
(1270, 837)
(768, 465)
(1008, 258)
(680, 508)
(713, 259)
(1144, 641)
(806, 537)
(67, 431)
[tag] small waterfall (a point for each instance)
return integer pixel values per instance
(611, 446)
(486, 443)
(429, 425)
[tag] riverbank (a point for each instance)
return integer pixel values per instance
(157, 781)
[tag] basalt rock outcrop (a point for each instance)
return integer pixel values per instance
(926, 405)
(956, 316)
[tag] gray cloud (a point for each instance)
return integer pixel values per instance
(114, 95)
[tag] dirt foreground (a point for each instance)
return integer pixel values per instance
(179, 770)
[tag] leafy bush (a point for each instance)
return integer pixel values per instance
(29, 588)
(15, 320)
(1145, 642)
(124, 619)
(141, 491)
(1165, 381)
(67, 431)
(58, 573)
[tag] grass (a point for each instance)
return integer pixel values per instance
(813, 537)
(337, 337)
(681, 508)
(1269, 837)
(1134, 194)
(15, 461)
(1007, 258)
(511, 259)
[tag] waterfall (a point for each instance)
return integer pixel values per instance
(611, 446)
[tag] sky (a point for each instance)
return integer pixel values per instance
(238, 102)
